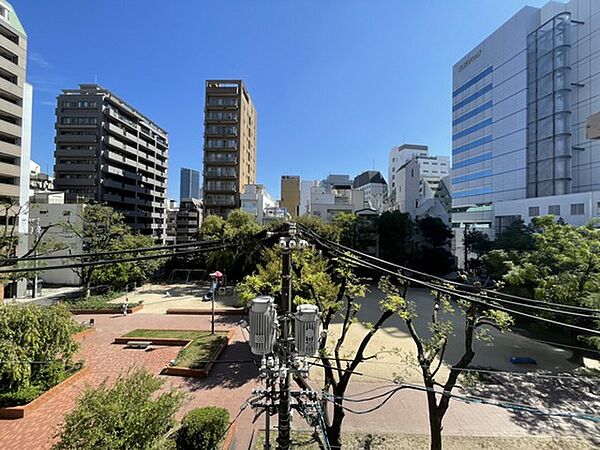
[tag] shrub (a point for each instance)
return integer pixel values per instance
(21, 397)
(128, 415)
(34, 333)
(203, 428)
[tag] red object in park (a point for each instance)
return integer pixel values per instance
(217, 274)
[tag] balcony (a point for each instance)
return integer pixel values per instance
(63, 167)
(121, 132)
(10, 149)
(83, 139)
(115, 114)
(11, 108)
(74, 182)
(122, 159)
(10, 128)
(11, 88)
(9, 190)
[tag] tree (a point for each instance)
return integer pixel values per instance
(396, 237)
(119, 275)
(430, 349)
(517, 236)
(129, 415)
(100, 229)
(563, 267)
(240, 228)
(432, 244)
(335, 289)
(34, 333)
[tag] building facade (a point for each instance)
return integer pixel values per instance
(290, 194)
(255, 200)
(189, 184)
(305, 189)
(229, 145)
(333, 195)
(520, 103)
(188, 220)
(417, 182)
(374, 187)
(171, 225)
(108, 152)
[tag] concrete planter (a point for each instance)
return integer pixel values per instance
(199, 373)
(207, 312)
(106, 311)
(18, 412)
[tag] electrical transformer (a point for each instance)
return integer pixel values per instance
(307, 325)
(262, 325)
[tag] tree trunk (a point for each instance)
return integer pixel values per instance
(334, 431)
(435, 421)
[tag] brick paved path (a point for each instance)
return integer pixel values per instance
(228, 385)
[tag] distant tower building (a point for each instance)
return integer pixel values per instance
(290, 194)
(109, 152)
(189, 184)
(229, 145)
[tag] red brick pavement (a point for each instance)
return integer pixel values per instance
(228, 385)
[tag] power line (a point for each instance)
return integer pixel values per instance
(7, 261)
(456, 293)
(443, 280)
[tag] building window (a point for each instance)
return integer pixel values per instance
(554, 210)
(534, 211)
(577, 209)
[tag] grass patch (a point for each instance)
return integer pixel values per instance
(194, 356)
(99, 302)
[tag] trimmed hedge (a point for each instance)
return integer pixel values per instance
(203, 428)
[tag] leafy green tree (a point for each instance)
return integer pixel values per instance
(432, 247)
(346, 222)
(100, 229)
(34, 333)
(332, 286)
(431, 347)
(396, 236)
(316, 225)
(131, 414)
(119, 275)
(563, 267)
(517, 236)
(240, 228)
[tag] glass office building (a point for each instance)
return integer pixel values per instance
(519, 105)
(189, 184)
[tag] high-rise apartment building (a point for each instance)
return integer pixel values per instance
(290, 194)
(520, 101)
(107, 151)
(16, 97)
(15, 111)
(189, 184)
(229, 145)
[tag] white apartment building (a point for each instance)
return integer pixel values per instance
(375, 188)
(333, 195)
(256, 200)
(305, 189)
(416, 178)
(520, 103)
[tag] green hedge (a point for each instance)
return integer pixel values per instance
(203, 428)
(99, 302)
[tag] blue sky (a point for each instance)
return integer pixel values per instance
(335, 83)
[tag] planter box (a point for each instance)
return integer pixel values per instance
(18, 412)
(153, 340)
(228, 441)
(199, 373)
(207, 312)
(105, 311)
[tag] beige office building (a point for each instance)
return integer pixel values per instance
(290, 194)
(15, 112)
(229, 145)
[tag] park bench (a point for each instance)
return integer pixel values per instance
(139, 344)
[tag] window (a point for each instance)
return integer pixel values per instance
(554, 210)
(534, 211)
(577, 209)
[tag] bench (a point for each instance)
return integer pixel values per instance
(138, 344)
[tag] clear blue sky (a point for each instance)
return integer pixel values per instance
(336, 83)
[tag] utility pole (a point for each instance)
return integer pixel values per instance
(283, 436)
(465, 245)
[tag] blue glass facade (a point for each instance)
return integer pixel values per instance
(189, 184)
